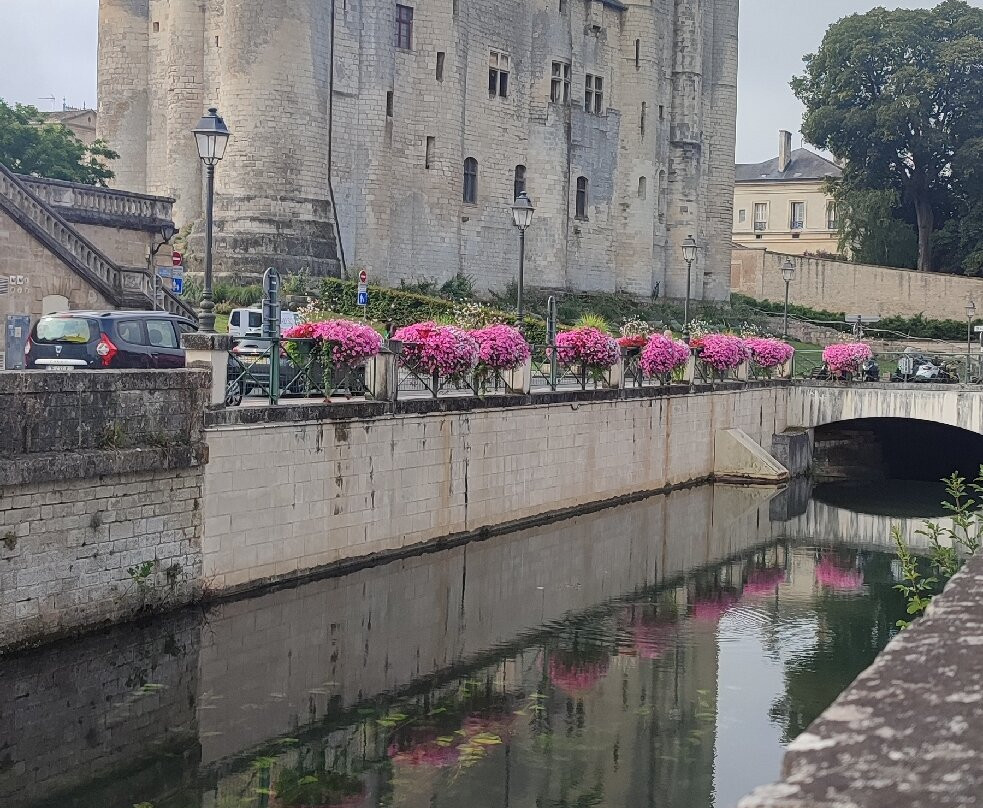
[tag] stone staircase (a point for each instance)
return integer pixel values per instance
(125, 287)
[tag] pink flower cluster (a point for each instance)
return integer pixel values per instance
(723, 351)
(846, 357)
(442, 349)
(351, 344)
(663, 355)
(588, 346)
(501, 347)
(767, 352)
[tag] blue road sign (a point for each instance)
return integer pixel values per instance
(177, 285)
(363, 298)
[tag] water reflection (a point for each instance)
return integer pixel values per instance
(659, 653)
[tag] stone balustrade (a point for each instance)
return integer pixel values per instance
(93, 205)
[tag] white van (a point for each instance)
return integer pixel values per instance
(249, 322)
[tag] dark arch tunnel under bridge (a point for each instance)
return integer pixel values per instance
(870, 449)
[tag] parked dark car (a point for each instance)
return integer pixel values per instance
(107, 339)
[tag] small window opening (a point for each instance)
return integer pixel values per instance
(429, 158)
(582, 200)
(440, 65)
(389, 104)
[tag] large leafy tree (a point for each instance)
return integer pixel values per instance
(898, 95)
(30, 144)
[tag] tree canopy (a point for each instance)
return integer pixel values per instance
(30, 144)
(898, 96)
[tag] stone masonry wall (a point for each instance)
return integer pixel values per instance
(284, 498)
(100, 498)
(854, 288)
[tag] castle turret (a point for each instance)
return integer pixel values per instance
(123, 88)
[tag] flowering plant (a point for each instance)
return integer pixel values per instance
(443, 350)
(663, 355)
(636, 341)
(594, 349)
(634, 333)
(846, 357)
(344, 342)
(500, 347)
(767, 352)
(723, 352)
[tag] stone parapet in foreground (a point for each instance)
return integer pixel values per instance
(909, 731)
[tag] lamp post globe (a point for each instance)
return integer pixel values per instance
(522, 211)
(212, 138)
(689, 248)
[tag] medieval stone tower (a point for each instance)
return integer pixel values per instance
(394, 134)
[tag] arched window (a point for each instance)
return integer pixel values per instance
(519, 185)
(643, 184)
(582, 200)
(471, 181)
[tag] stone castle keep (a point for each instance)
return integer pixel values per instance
(393, 136)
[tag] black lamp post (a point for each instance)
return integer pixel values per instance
(166, 233)
(788, 273)
(689, 256)
(212, 136)
(970, 315)
(522, 211)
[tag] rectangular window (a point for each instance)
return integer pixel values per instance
(560, 83)
(440, 65)
(760, 215)
(641, 120)
(831, 220)
(594, 94)
(797, 215)
(498, 74)
(582, 200)
(389, 104)
(428, 160)
(742, 215)
(638, 54)
(404, 27)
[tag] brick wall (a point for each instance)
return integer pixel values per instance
(854, 288)
(282, 498)
(100, 498)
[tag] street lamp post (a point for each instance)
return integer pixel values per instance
(522, 211)
(689, 256)
(970, 315)
(166, 233)
(788, 273)
(212, 136)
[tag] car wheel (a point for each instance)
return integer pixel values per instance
(233, 395)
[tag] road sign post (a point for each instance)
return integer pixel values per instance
(363, 292)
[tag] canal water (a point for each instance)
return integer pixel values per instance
(661, 653)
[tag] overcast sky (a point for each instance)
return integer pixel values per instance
(49, 51)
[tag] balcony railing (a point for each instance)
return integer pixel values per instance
(760, 226)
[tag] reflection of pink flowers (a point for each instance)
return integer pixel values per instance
(426, 753)
(846, 357)
(652, 638)
(766, 352)
(663, 355)
(723, 351)
(587, 346)
(764, 582)
(832, 576)
(576, 678)
(711, 609)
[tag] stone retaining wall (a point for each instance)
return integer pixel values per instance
(100, 498)
(282, 499)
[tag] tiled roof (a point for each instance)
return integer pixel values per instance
(805, 165)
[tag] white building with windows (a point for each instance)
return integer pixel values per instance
(394, 135)
(782, 205)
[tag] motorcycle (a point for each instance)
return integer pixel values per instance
(920, 368)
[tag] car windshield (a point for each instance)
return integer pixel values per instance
(66, 329)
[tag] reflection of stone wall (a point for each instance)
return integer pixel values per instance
(89, 708)
(333, 643)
